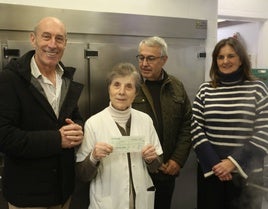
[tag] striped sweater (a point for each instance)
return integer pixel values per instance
(231, 121)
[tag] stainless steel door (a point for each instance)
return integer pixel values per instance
(109, 54)
(183, 63)
(73, 57)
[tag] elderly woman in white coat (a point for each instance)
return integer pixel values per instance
(120, 179)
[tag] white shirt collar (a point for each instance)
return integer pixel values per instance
(36, 72)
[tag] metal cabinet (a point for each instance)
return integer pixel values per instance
(114, 38)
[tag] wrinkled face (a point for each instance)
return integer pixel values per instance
(49, 43)
(122, 92)
(228, 61)
(151, 62)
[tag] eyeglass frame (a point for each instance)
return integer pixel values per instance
(149, 59)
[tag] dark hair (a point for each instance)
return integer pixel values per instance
(124, 69)
(240, 51)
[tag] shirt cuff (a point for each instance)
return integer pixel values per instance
(92, 159)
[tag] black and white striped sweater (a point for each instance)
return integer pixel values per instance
(231, 121)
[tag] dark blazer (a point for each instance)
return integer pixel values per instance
(37, 171)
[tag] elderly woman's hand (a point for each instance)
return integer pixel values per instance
(148, 153)
(101, 150)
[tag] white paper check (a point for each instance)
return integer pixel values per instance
(126, 144)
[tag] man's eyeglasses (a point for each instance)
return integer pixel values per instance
(148, 59)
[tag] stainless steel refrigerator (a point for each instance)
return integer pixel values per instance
(96, 42)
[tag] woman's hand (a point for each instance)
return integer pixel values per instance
(148, 153)
(101, 150)
(223, 170)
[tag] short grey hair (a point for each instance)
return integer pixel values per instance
(124, 69)
(155, 41)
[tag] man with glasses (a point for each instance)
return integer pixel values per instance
(164, 98)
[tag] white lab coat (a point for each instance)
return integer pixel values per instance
(110, 188)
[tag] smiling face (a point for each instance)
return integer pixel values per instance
(227, 60)
(49, 41)
(122, 92)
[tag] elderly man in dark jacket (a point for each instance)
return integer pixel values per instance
(164, 98)
(39, 122)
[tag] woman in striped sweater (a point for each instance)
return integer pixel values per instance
(230, 131)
